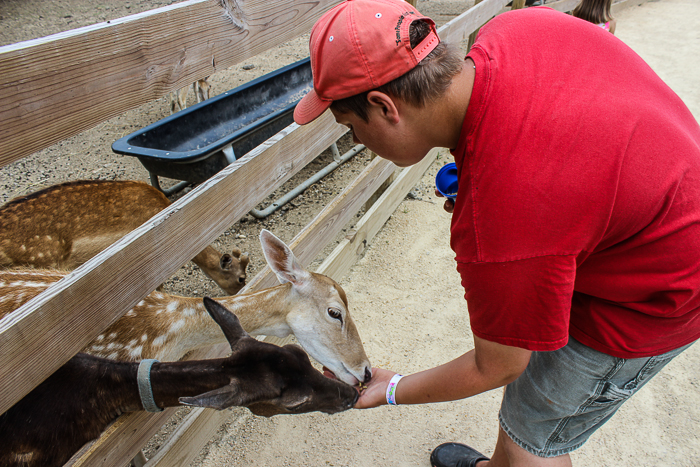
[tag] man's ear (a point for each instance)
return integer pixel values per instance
(384, 104)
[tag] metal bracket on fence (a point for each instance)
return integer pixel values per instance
(337, 161)
(228, 153)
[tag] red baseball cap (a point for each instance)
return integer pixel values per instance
(357, 46)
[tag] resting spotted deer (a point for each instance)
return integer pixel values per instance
(311, 306)
(65, 225)
(77, 402)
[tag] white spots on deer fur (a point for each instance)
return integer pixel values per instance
(23, 248)
(40, 255)
(160, 340)
(100, 338)
(130, 313)
(144, 337)
(113, 355)
(113, 335)
(176, 326)
(172, 306)
(189, 312)
(136, 353)
(97, 348)
(27, 284)
(48, 237)
(132, 342)
(112, 346)
(141, 303)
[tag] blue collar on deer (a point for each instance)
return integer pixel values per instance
(143, 378)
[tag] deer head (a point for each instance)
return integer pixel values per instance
(270, 380)
(328, 332)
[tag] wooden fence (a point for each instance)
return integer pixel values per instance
(57, 86)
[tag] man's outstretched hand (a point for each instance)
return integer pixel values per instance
(374, 394)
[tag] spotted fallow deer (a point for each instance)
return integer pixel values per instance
(311, 306)
(77, 402)
(65, 225)
(178, 99)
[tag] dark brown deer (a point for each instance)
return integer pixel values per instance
(77, 402)
(65, 225)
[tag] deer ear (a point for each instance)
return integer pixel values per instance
(281, 259)
(219, 399)
(228, 322)
(228, 396)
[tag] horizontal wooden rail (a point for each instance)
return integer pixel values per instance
(57, 86)
(563, 5)
(41, 335)
(458, 29)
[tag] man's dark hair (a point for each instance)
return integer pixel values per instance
(427, 81)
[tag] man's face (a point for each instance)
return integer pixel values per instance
(391, 141)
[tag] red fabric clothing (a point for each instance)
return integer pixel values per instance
(578, 210)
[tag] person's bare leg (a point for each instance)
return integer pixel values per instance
(509, 454)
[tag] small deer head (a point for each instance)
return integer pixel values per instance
(233, 271)
(268, 379)
(318, 315)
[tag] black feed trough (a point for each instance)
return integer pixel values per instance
(195, 143)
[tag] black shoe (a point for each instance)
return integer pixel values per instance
(455, 455)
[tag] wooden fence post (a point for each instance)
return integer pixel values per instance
(472, 36)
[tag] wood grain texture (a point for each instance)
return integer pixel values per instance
(326, 225)
(459, 28)
(57, 86)
(352, 247)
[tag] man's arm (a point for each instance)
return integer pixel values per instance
(489, 365)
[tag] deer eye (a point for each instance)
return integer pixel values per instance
(335, 314)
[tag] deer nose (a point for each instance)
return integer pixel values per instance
(368, 375)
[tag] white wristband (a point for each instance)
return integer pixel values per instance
(391, 389)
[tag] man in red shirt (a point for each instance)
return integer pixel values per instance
(576, 226)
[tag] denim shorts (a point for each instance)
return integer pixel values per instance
(562, 397)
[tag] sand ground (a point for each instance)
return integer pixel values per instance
(406, 299)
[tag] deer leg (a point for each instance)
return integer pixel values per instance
(201, 88)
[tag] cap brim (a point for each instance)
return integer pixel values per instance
(309, 108)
